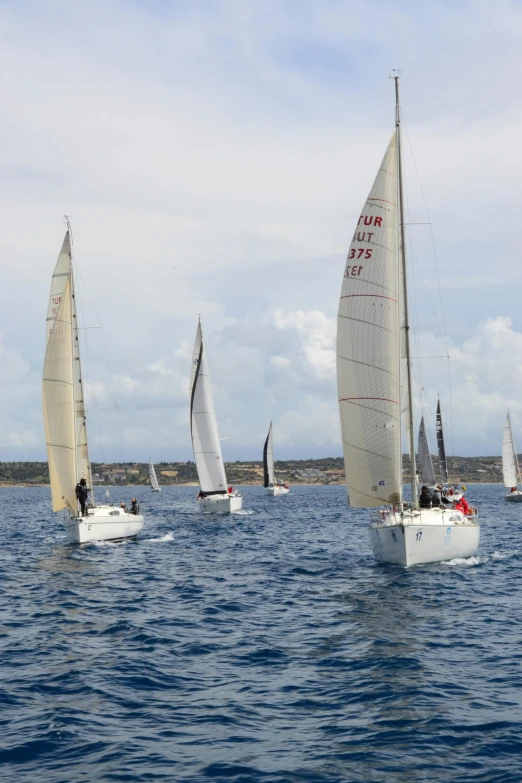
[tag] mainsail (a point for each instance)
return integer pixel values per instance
(425, 464)
(203, 424)
(440, 444)
(368, 346)
(152, 476)
(510, 468)
(268, 459)
(59, 280)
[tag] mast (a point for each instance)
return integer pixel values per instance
(79, 402)
(413, 467)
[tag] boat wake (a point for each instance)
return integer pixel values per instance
(166, 537)
(481, 559)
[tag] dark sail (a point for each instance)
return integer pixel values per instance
(266, 479)
(440, 444)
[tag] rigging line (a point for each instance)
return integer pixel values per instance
(109, 368)
(451, 419)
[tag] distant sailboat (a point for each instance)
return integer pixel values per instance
(65, 418)
(153, 480)
(510, 466)
(443, 465)
(215, 495)
(426, 472)
(374, 383)
(272, 486)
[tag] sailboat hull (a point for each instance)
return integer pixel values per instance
(514, 497)
(221, 504)
(425, 536)
(104, 523)
(155, 490)
(277, 490)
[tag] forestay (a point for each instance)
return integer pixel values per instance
(205, 438)
(426, 471)
(58, 406)
(368, 347)
(510, 468)
(268, 459)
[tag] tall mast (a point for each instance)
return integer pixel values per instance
(413, 467)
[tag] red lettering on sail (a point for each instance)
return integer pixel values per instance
(353, 271)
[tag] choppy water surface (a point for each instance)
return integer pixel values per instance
(267, 646)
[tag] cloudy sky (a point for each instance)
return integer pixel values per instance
(213, 157)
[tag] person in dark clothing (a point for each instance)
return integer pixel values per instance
(82, 493)
(134, 506)
(425, 498)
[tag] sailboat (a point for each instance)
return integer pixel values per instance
(510, 466)
(374, 383)
(425, 466)
(272, 486)
(453, 492)
(215, 495)
(153, 480)
(65, 419)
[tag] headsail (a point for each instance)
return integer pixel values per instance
(368, 351)
(152, 476)
(510, 468)
(426, 471)
(440, 444)
(268, 459)
(59, 281)
(58, 406)
(203, 425)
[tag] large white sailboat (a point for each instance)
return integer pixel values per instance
(215, 495)
(510, 466)
(374, 383)
(65, 419)
(272, 486)
(153, 480)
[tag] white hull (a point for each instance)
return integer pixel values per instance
(155, 490)
(221, 504)
(514, 497)
(104, 523)
(425, 536)
(277, 489)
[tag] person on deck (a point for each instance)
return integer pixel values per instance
(82, 493)
(425, 498)
(463, 506)
(435, 497)
(134, 506)
(122, 505)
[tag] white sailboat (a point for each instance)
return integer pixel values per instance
(215, 495)
(510, 466)
(272, 486)
(65, 418)
(153, 480)
(374, 383)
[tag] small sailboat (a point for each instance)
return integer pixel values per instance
(374, 383)
(215, 495)
(425, 466)
(272, 486)
(453, 492)
(153, 480)
(510, 466)
(65, 419)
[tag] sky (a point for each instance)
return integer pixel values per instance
(213, 158)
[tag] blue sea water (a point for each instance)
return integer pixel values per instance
(268, 646)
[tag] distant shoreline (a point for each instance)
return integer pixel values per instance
(137, 487)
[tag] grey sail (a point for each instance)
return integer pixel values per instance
(440, 445)
(426, 471)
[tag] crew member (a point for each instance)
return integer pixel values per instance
(134, 506)
(425, 498)
(82, 493)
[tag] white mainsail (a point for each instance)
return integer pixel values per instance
(368, 347)
(426, 471)
(58, 406)
(59, 280)
(152, 476)
(203, 424)
(268, 459)
(510, 467)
